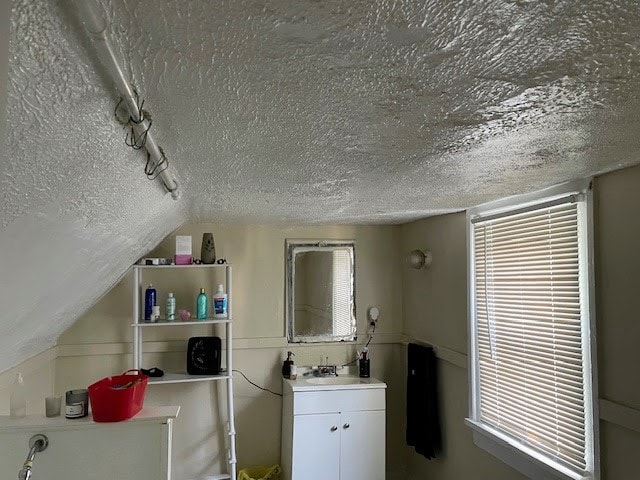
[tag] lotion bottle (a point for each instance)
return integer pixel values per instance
(171, 308)
(201, 306)
(18, 398)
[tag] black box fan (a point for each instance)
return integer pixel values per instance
(203, 355)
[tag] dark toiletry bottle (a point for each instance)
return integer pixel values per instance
(364, 365)
(149, 301)
(286, 366)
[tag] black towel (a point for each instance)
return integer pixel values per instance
(423, 419)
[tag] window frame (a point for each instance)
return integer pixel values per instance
(525, 459)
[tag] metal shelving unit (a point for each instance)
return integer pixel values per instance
(139, 325)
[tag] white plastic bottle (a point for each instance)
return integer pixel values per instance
(220, 303)
(18, 399)
(171, 308)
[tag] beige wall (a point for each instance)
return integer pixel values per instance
(435, 302)
(5, 10)
(617, 241)
(435, 310)
(38, 374)
(94, 346)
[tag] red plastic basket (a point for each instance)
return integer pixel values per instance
(117, 398)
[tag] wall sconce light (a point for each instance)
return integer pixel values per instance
(418, 259)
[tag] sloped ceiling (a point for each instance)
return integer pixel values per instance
(303, 111)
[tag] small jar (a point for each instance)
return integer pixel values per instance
(77, 403)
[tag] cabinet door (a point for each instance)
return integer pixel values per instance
(362, 452)
(316, 447)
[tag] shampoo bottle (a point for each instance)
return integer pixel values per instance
(220, 303)
(171, 308)
(18, 398)
(201, 307)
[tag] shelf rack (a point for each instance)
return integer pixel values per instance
(139, 325)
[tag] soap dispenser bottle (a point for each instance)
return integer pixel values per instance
(286, 366)
(201, 305)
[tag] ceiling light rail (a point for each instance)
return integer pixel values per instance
(140, 136)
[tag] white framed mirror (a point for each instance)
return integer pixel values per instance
(320, 291)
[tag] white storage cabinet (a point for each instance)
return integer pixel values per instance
(139, 326)
(334, 434)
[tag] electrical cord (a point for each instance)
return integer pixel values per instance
(151, 169)
(256, 385)
(366, 346)
(371, 334)
(349, 363)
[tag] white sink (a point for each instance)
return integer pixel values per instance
(342, 382)
(333, 380)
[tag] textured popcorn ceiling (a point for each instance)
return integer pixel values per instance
(303, 111)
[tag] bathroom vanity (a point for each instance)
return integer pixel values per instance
(333, 428)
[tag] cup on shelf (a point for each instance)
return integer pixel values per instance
(52, 406)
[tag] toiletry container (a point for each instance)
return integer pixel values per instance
(364, 364)
(364, 368)
(76, 403)
(155, 313)
(171, 308)
(18, 398)
(201, 305)
(286, 366)
(208, 251)
(149, 301)
(220, 303)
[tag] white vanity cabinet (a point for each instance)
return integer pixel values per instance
(333, 431)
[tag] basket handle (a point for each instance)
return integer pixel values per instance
(137, 372)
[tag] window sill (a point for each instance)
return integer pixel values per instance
(519, 456)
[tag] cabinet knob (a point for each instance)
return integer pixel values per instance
(334, 428)
(346, 425)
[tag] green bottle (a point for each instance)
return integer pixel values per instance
(201, 306)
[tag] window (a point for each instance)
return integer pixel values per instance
(532, 396)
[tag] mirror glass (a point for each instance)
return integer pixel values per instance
(320, 291)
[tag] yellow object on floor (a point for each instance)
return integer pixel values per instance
(260, 473)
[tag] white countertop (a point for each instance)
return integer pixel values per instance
(147, 414)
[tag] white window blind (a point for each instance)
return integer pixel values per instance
(342, 294)
(532, 367)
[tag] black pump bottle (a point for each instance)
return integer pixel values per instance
(286, 366)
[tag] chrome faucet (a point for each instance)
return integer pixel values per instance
(326, 371)
(37, 443)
